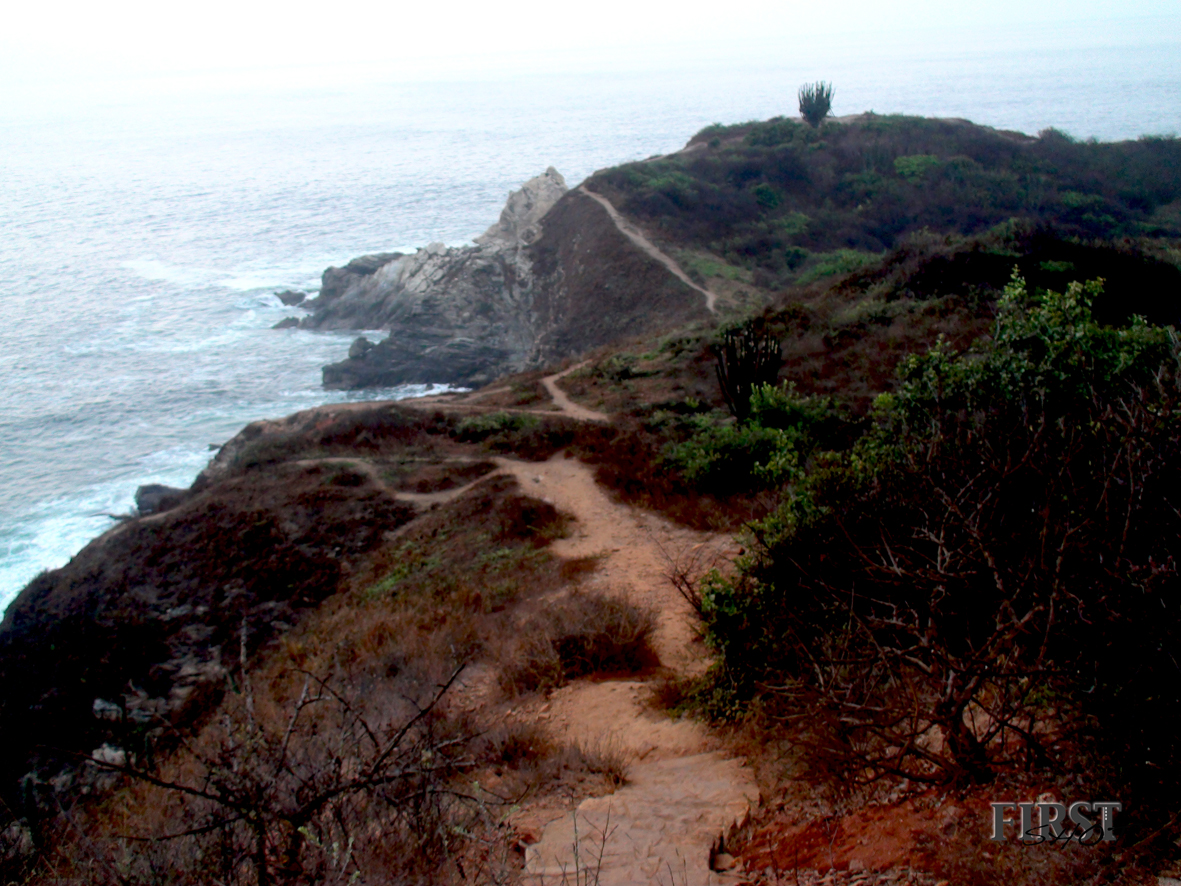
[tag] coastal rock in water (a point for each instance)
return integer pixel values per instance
(154, 497)
(552, 278)
(291, 297)
(360, 348)
(287, 323)
(340, 291)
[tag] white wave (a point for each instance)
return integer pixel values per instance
(241, 280)
(151, 268)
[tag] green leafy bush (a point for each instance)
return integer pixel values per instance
(767, 450)
(989, 578)
(830, 264)
(914, 167)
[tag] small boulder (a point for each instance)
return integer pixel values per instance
(287, 323)
(107, 710)
(360, 348)
(291, 297)
(153, 498)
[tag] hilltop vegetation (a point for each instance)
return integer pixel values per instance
(796, 203)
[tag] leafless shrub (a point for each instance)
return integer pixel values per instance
(325, 786)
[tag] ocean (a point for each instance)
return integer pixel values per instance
(145, 225)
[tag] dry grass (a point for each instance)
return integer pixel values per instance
(575, 636)
(522, 758)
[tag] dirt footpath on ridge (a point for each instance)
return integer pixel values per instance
(682, 792)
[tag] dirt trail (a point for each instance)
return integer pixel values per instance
(682, 792)
(637, 237)
(564, 403)
(560, 401)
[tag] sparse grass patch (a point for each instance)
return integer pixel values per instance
(579, 567)
(408, 560)
(830, 264)
(576, 636)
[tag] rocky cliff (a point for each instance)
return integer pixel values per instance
(552, 278)
(138, 629)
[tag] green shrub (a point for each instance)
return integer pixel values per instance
(765, 451)
(766, 196)
(737, 457)
(478, 428)
(995, 563)
(829, 264)
(915, 167)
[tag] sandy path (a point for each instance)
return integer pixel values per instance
(564, 403)
(632, 233)
(682, 793)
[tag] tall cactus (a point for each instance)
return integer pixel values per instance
(815, 101)
(745, 357)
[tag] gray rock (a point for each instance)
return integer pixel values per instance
(360, 348)
(520, 220)
(336, 283)
(154, 498)
(107, 710)
(291, 297)
(287, 323)
(553, 278)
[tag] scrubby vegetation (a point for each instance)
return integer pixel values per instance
(794, 202)
(985, 582)
(815, 102)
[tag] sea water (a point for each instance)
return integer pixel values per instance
(145, 226)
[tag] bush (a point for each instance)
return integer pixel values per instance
(580, 635)
(769, 449)
(989, 579)
(738, 457)
(478, 428)
(815, 101)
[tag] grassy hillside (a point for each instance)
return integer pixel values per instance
(797, 203)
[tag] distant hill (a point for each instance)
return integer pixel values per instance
(793, 203)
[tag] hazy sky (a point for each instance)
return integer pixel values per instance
(70, 40)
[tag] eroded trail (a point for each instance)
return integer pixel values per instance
(682, 792)
(564, 403)
(637, 237)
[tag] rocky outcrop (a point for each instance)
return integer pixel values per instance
(552, 278)
(520, 220)
(345, 294)
(291, 297)
(155, 497)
